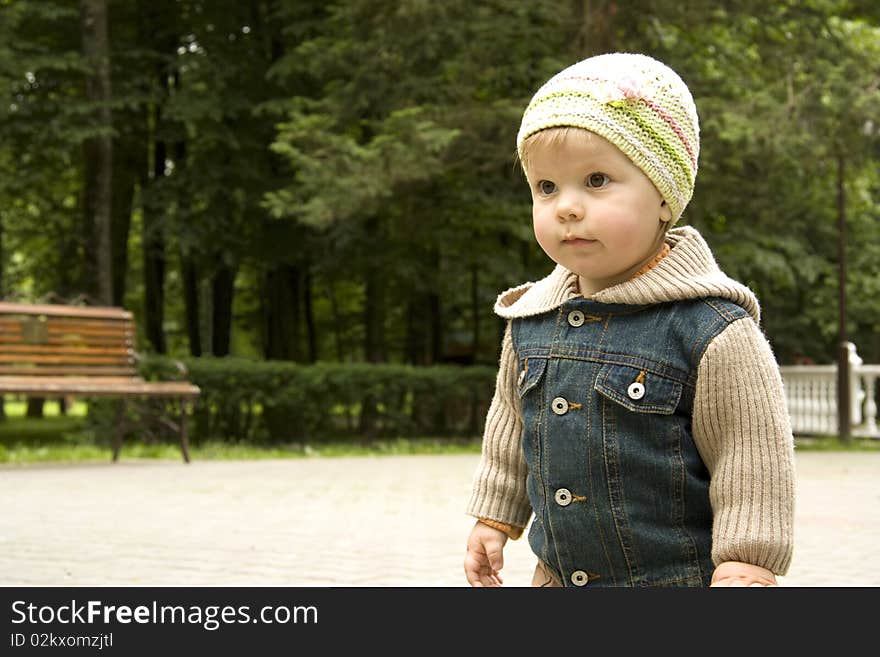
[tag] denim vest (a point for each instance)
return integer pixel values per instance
(619, 491)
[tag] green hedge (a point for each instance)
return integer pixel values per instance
(276, 402)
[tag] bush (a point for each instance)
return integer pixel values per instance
(277, 402)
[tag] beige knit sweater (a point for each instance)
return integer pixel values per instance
(741, 425)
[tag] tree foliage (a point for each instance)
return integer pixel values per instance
(336, 181)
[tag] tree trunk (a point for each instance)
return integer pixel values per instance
(99, 150)
(191, 303)
(2, 282)
(374, 331)
(435, 327)
(475, 312)
(309, 316)
(336, 316)
(415, 332)
(153, 242)
(2, 296)
(222, 293)
(596, 32)
(374, 315)
(188, 268)
(844, 427)
(130, 166)
(374, 305)
(281, 313)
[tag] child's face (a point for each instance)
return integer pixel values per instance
(594, 211)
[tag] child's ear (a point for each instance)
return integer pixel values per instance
(665, 212)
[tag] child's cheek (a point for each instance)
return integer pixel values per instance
(546, 238)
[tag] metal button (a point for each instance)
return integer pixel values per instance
(576, 318)
(522, 377)
(563, 497)
(579, 578)
(560, 406)
(636, 390)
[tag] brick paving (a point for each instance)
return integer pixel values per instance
(360, 521)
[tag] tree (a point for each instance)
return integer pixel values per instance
(98, 203)
(304, 180)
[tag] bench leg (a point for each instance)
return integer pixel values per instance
(184, 441)
(120, 429)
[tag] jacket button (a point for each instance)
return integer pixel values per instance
(636, 390)
(563, 497)
(522, 377)
(579, 578)
(560, 406)
(576, 318)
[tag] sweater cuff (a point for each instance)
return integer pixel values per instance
(511, 531)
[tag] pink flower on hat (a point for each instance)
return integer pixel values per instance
(632, 88)
(619, 92)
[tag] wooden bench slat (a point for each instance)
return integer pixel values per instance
(70, 322)
(108, 386)
(50, 356)
(103, 371)
(58, 360)
(66, 370)
(30, 381)
(44, 349)
(54, 332)
(67, 341)
(56, 310)
(88, 336)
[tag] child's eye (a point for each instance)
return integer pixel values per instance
(546, 186)
(597, 180)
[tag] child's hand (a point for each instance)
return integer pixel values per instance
(737, 573)
(484, 558)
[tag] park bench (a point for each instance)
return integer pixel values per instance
(57, 351)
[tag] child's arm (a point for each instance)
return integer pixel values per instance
(743, 432)
(499, 489)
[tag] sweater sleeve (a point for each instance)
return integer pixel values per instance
(743, 432)
(499, 485)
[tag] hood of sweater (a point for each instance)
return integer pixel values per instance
(689, 271)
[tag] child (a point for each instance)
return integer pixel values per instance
(638, 411)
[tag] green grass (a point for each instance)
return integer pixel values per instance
(57, 438)
(19, 451)
(66, 439)
(835, 444)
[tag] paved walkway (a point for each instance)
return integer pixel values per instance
(366, 521)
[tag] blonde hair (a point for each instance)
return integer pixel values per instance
(548, 138)
(554, 137)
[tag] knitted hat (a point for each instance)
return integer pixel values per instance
(638, 104)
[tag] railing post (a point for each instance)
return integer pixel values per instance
(844, 383)
(870, 404)
(856, 394)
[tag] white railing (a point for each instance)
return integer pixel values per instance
(811, 395)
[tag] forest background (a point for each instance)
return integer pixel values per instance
(308, 186)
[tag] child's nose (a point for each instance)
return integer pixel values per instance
(570, 206)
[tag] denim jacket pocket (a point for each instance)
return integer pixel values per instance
(638, 390)
(531, 369)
